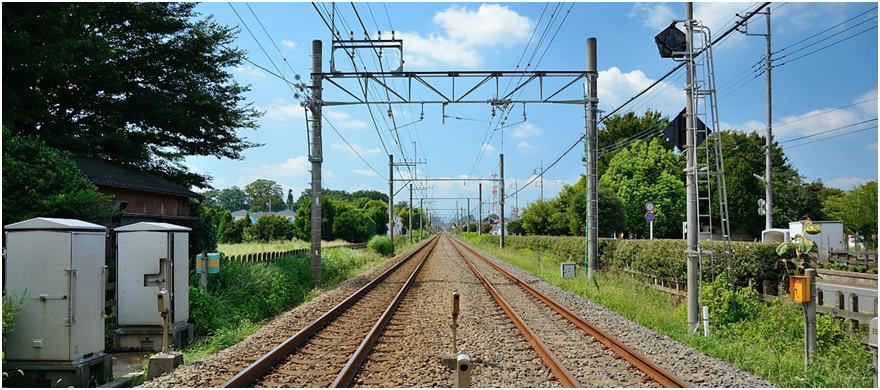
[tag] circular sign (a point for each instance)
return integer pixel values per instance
(649, 207)
(649, 216)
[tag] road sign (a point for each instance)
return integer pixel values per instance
(649, 207)
(649, 216)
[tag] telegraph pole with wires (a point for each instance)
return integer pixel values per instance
(316, 158)
(591, 144)
(767, 207)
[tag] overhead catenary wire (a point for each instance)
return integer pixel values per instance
(833, 136)
(828, 131)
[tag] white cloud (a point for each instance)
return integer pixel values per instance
(526, 130)
(527, 147)
(487, 149)
(288, 44)
(656, 16)
(294, 166)
(868, 107)
(344, 120)
(464, 32)
(871, 146)
(365, 172)
(490, 25)
(846, 183)
(249, 71)
(615, 88)
(280, 109)
(364, 152)
(815, 121)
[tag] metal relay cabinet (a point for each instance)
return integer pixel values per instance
(151, 256)
(57, 266)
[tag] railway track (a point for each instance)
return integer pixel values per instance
(332, 350)
(326, 352)
(571, 336)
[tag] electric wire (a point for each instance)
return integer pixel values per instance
(828, 131)
(352, 147)
(824, 31)
(825, 47)
(833, 136)
(776, 126)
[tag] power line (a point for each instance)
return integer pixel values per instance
(352, 147)
(826, 30)
(834, 136)
(823, 113)
(828, 131)
(825, 47)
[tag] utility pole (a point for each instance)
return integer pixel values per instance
(480, 229)
(693, 227)
(421, 224)
(468, 216)
(391, 197)
(591, 145)
(540, 174)
(316, 159)
(410, 213)
(501, 198)
(768, 222)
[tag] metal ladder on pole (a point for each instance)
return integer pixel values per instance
(711, 183)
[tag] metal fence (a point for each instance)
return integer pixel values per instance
(274, 256)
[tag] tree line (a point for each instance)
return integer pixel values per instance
(632, 173)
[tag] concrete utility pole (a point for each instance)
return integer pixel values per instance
(501, 199)
(480, 229)
(421, 224)
(391, 197)
(810, 318)
(468, 216)
(591, 145)
(693, 228)
(410, 213)
(317, 157)
(768, 222)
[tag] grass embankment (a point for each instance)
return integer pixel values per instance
(769, 345)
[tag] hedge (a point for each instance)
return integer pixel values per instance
(662, 258)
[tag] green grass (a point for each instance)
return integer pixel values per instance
(770, 345)
(243, 296)
(273, 246)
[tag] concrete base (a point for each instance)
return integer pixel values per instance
(149, 338)
(163, 363)
(89, 372)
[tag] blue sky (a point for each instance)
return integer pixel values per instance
(831, 90)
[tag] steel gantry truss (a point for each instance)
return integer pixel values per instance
(451, 93)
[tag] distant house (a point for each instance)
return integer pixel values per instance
(141, 196)
(289, 214)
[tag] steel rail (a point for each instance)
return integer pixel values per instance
(270, 359)
(657, 373)
(565, 377)
(357, 359)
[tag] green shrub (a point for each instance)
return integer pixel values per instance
(728, 306)
(271, 227)
(381, 245)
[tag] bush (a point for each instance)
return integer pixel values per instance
(271, 227)
(662, 258)
(381, 245)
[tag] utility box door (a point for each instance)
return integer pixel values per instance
(800, 288)
(61, 276)
(138, 269)
(180, 292)
(567, 270)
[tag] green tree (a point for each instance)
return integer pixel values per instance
(145, 84)
(352, 225)
(226, 229)
(289, 202)
(271, 227)
(648, 172)
(40, 181)
(857, 208)
(262, 193)
(514, 227)
(544, 218)
(302, 224)
(233, 199)
(203, 236)
(377, 210)
(617, 130)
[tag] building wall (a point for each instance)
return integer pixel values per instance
(149, 203)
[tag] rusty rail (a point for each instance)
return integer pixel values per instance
(654, 371)
(267, 361)
(566, 379)
(357, 359)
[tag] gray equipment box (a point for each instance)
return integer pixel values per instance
(567, 270)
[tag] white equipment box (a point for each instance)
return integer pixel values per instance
(567, 270)
(57, 266)
(150, 256)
